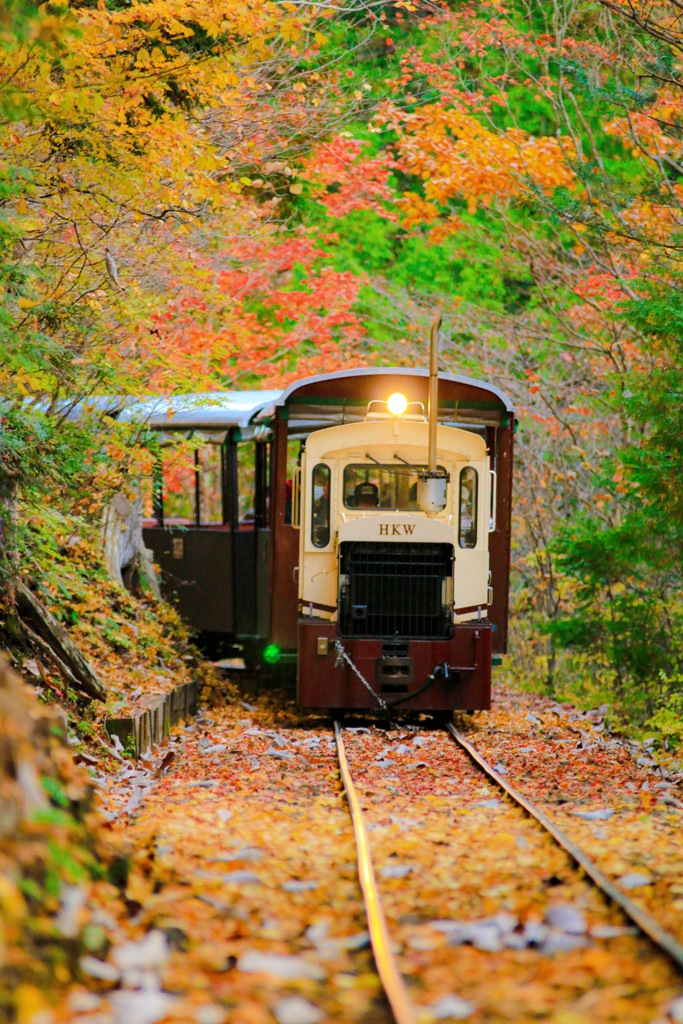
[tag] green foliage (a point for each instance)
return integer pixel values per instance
(667, 722)
(31, 889)
(626, 568)
(52, 816)
(43, 452)
(55, 791)
(626, 605)
(64, 863)
(364, 243)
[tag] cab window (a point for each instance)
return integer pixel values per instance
(367, 485)
(320, 497)
(467, 520)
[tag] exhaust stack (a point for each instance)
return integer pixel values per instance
(431, 488)
(433, 407)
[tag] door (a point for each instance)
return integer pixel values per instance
(471, 501)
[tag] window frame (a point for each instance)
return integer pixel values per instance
(316, 541)
(475, 509)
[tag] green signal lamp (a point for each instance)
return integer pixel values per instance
(272, 654)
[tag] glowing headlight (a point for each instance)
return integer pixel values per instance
(397, 403)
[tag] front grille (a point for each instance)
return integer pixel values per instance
(395, 590)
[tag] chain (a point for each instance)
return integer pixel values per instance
(343, 656)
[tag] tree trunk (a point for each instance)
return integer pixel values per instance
(126, 556)
(9, 552)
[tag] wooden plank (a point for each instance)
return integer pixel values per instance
(156, 717)
(177, 704)
(121, 727)
(149, 727)
(53, 633)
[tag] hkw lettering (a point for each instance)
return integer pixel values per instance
(397, 529)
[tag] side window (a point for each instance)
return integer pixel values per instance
(467, 522)
(246, 481)
(209, 471)
(191, 481)
(320, 520)
(294, 448)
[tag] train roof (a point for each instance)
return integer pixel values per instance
(342, 397)
(394, 371)
(210, 411)
(325, 400)
(213, 410)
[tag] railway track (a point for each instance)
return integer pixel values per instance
(387, 967)
(654, 941)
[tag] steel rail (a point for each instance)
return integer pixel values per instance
(391, 979)
(644, 921)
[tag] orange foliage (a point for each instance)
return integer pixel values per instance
(143, 121)
(457, 156)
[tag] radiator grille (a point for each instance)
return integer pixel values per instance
(390, 590)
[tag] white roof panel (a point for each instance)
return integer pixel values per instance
(215, 410)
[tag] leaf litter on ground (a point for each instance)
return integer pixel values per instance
(492, 901)
(490, 921)
(625, 810)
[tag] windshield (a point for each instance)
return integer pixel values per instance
(367, 485)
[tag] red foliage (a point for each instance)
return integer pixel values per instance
(357, 184)
(276, 311)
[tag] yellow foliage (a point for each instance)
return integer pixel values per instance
(31, 1007)
(11, 900)
(457, 156)
(139, 121)
(416, 210)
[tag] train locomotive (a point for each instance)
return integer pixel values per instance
(355, 526)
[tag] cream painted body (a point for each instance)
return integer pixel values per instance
(340, 446)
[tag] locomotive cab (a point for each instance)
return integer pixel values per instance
(402, 590)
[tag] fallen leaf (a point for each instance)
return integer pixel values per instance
(291, 968)
(30, 1005)
(601, 814)
(634, 880)
(140, 1007)
(295, 1010)
(452, 1008)
(99, 969)
(566, 918)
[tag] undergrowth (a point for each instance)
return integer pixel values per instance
(581, 678)
(135, 643)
